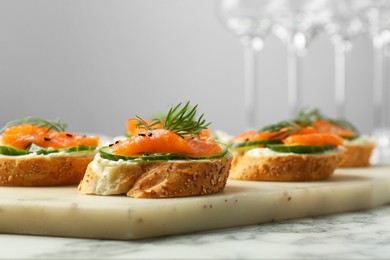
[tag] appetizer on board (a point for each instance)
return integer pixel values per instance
(171, 156)
(286, 151)
(359, 147)
(38, 152)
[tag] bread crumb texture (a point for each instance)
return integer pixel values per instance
(43, 170)
(176, 178)
(292, 167)
(357, 155)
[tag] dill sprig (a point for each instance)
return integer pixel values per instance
(310, 115)
(56, 125)
(291, 124)
(289, 127)
(179, 119)
(145, 125)
(315, 114)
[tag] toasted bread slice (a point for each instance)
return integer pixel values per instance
(357, 155)
(44, 170)
(261, 164)
(173, 178)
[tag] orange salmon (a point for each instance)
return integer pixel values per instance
(165, 141)
(21, 136)
(314, 139)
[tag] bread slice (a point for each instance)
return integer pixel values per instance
(261, 164)
(357, 155)
(175, 178)
(44, 170)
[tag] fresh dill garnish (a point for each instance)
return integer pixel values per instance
(293, 124)
(145, 125)
(56, 125)
(315, 114)
(287, 127)
(179, 119)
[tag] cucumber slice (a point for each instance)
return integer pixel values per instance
(80, 148)
(6, 150)
(256, 143)
(40, 150)
(106, 154)
(300, 149)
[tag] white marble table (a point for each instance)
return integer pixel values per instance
(358, 235)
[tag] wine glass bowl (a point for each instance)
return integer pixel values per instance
(245, 17)
(297, 21)
(342, 23)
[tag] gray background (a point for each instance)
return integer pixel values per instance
(96, 63)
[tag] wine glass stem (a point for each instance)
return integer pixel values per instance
(252, 47)
(379, 95)
(339, 77)
(293, 80)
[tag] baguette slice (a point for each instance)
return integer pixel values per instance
(357, 155)
(175, 178)
(271, 166)
(44, 170)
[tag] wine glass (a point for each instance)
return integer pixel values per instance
(251, 21)
(377, 14)
(296, 23)
(342, 24)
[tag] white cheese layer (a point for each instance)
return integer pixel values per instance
(52, 155)
(261, 152)
(361, 140)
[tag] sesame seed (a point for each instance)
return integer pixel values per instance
(69, 135)
(47, 138)
(141, 134)
(150, 134)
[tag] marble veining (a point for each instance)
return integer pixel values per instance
(357, 235)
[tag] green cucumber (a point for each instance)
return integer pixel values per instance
(105, 153)
(256, 143)
(80, 148)
(40, 150)
(6, 150)
(300, 149)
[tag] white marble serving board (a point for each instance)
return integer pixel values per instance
(61, 211)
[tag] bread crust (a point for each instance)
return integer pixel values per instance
(163, 179)
(286, 167)
(44, 170)
(357, 155)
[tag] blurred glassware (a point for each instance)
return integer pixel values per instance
(296, 23)
(342, 24)
(377, 15)
(251, 21)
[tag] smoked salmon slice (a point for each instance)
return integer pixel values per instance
(165, 141)
(314, 139)
(272, 135)
(21, 136)
(324, 126)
